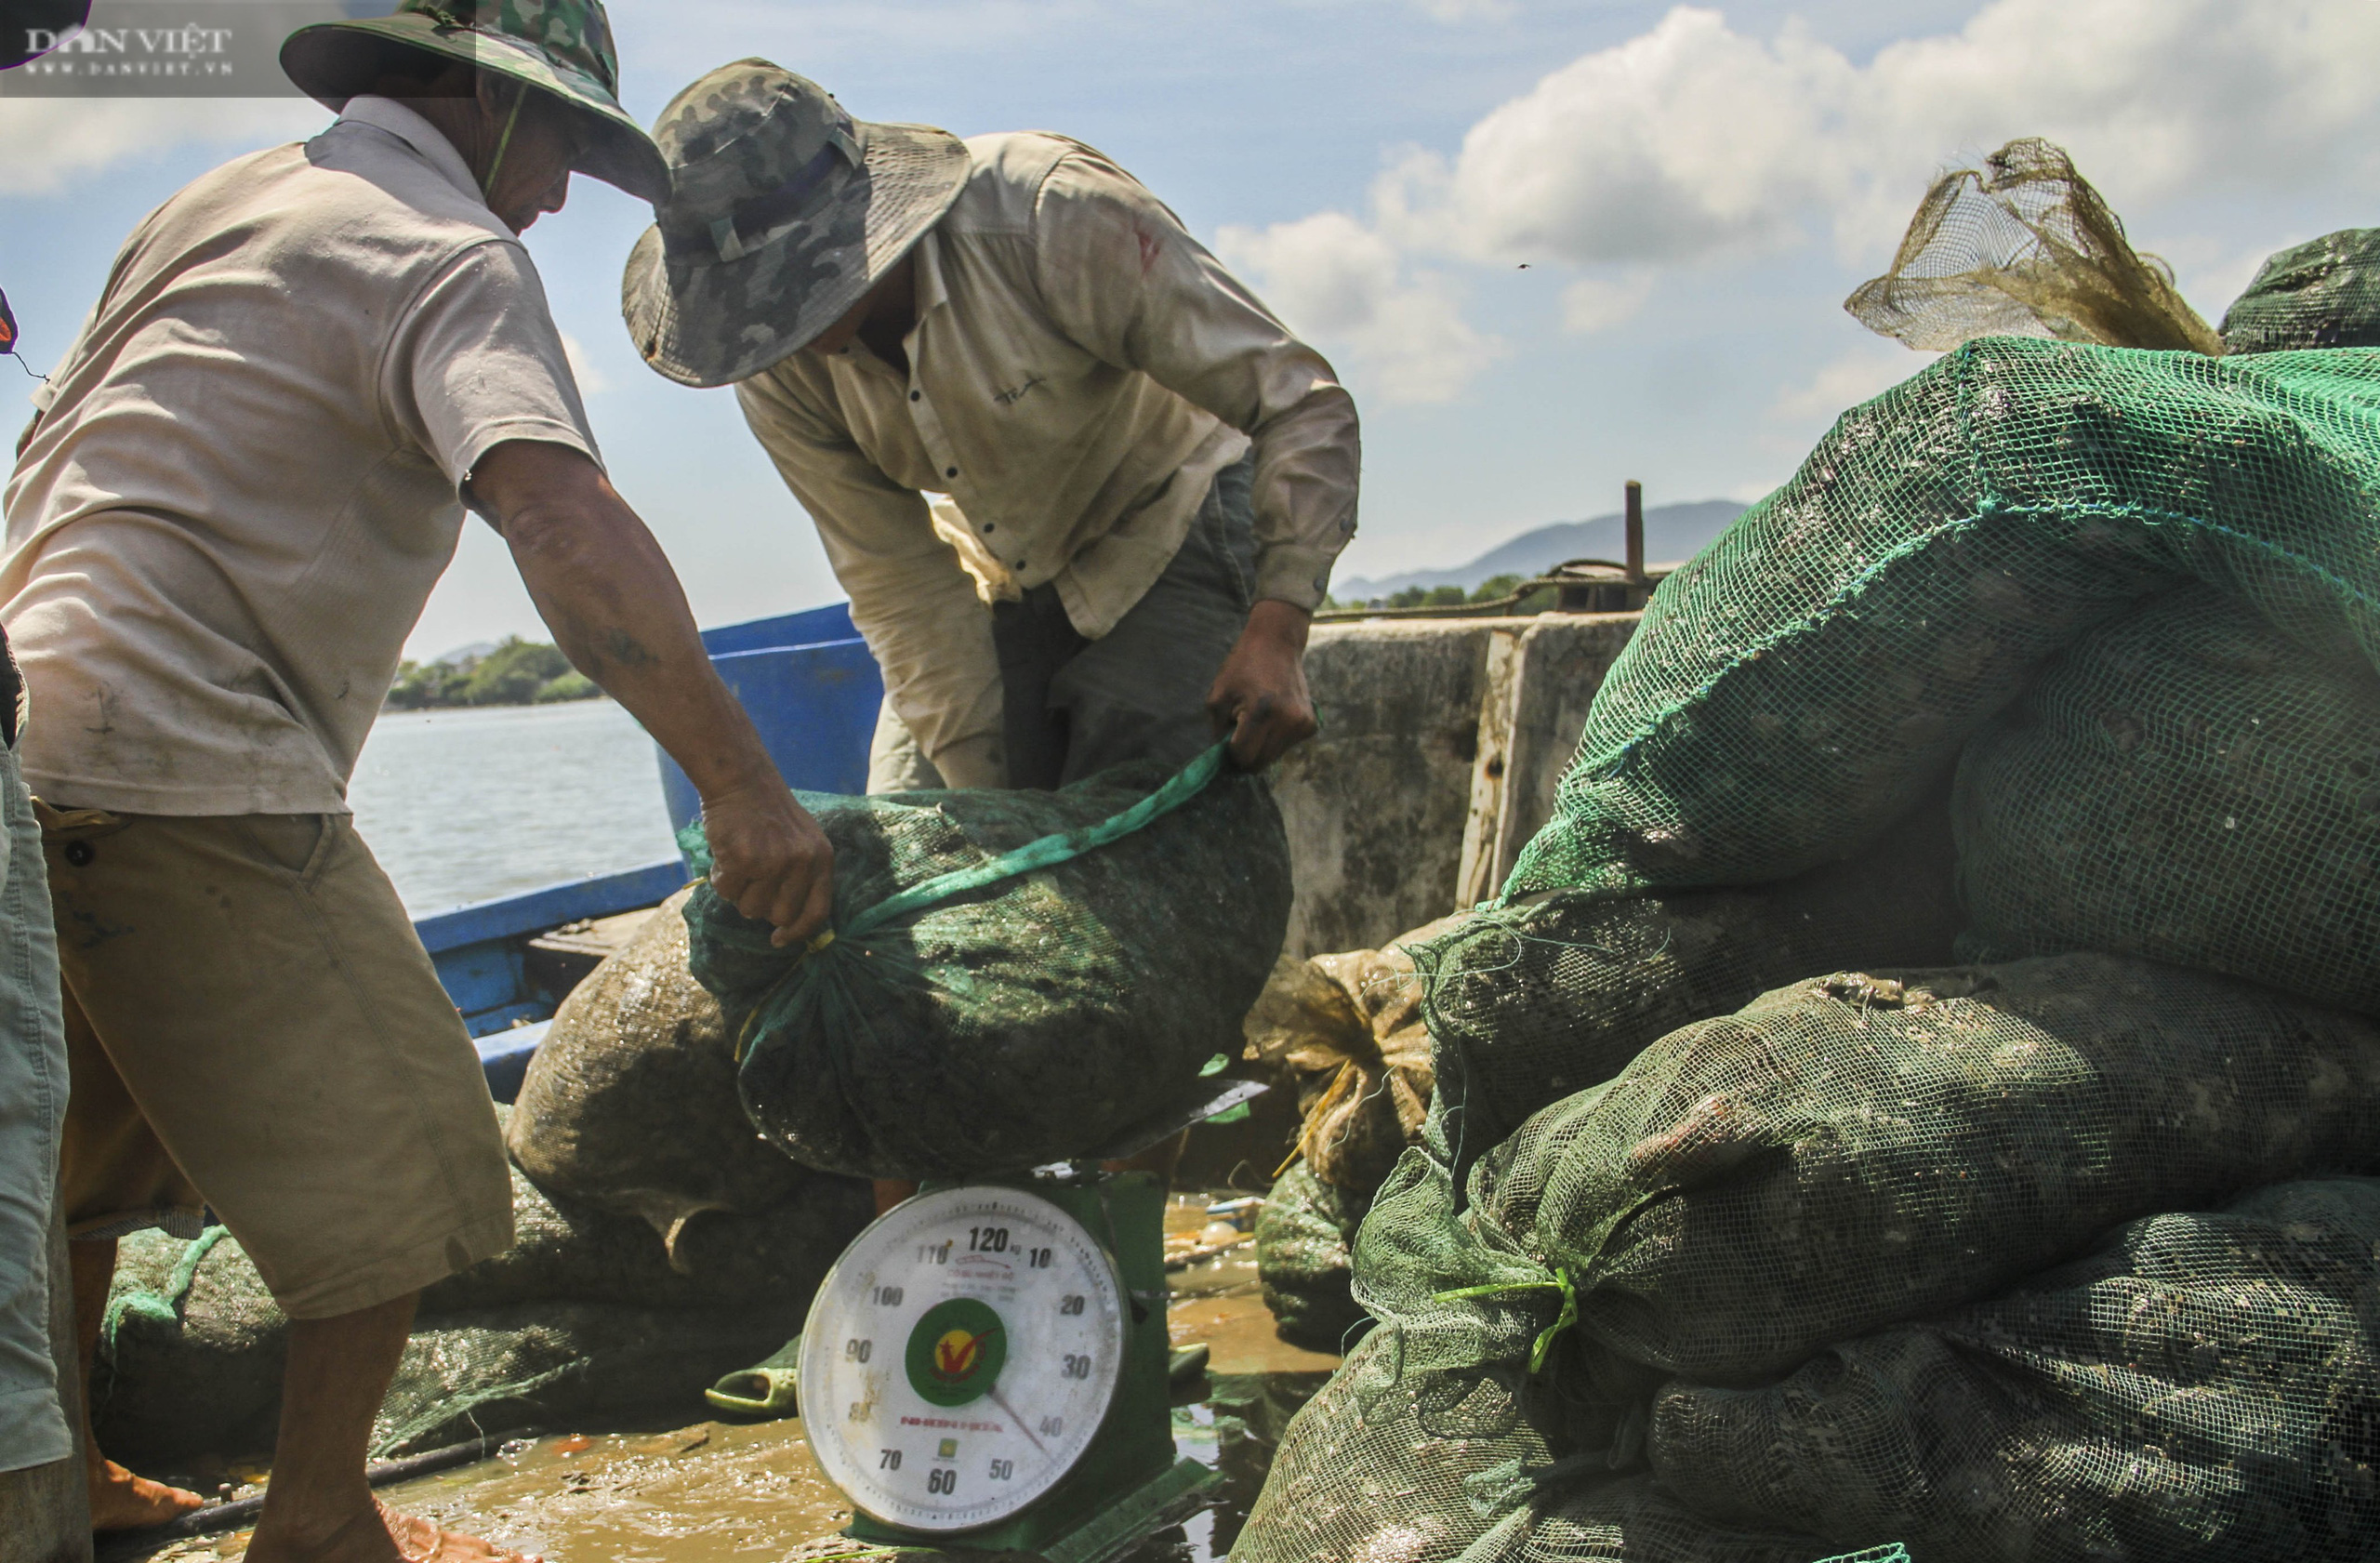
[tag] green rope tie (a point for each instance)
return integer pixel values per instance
(1049, 851)
(166, 1307)
(1552, 1332)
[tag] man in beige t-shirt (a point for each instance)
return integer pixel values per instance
(244, 481)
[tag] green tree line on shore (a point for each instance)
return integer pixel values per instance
(518, 672)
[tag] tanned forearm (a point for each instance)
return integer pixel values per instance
(608, 593)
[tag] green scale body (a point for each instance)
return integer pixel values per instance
(985, 1369)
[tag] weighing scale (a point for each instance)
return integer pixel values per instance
(984, 1369)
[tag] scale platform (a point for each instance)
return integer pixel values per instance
(985, 1368)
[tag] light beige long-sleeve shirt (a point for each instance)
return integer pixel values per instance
(1079, 371)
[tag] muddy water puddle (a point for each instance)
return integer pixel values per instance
(661, 1490)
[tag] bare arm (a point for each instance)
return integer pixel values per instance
(604, 588)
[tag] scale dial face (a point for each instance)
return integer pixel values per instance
(960, 1356)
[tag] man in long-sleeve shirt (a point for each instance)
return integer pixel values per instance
(1083, 489)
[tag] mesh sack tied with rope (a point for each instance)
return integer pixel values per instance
(1802, 680)
(1347, 1028)
(1528, 1003)
(584, 1315)
(2186, 785)
(2324, 293)
(1011, 977)
(1303, 1234)
(1446, 1434)
(2024, 246)
(1862, 1150)
(1407, 1454)
(631, 1104)
(2203, 1388)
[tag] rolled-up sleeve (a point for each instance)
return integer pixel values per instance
(1128, 284)
(911, 600)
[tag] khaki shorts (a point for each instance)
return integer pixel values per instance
(253, 1021)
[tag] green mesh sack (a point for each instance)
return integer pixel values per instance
(1530, 1003)
(1409, 1452)
(1804, 679)
(629, 1103)
(1303, 1234)
(192, 1344)
(2186, 785)
(563, 1364)
(1859, 1151)
(1594, 1516)
(2203, 1388)
(2324, 293)
(1012, 977)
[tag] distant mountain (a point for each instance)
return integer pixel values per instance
(1673, 534)
(479, 650)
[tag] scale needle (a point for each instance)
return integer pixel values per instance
(1000, 1400)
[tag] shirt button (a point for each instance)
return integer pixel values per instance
(917, 396)
(987, 528)
(1322, 583)
(1020, 563)
(950, 471)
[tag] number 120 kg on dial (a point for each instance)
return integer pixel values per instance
(971, 1343)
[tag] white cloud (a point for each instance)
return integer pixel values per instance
(1593, 304)
(1343, 284)
(1695, 141)
(1857, 375)
(53, 141)
(591, 380)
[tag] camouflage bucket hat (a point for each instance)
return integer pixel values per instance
(784, 210)
(562, 47)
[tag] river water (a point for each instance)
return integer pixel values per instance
(466, 805)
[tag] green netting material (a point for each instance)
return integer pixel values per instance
(1528, 1003)
(585, 1315)
(630, 1101)
(2324, 293)
(1860, 1151)
(2205, 1388)
(1849, 1154)
(1011, 976)
(2184, 784)
(1303, 1234)
(1801, 683)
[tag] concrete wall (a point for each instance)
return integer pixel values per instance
(1441, 745)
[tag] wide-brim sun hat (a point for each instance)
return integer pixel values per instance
(783, 212)
(562, 47)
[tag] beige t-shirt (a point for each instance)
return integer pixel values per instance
(246, 477)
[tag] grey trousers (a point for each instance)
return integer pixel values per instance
(32, 1110)
(1073, 706)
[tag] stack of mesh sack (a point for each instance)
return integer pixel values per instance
(659, 1243)
(1345, 1031)
(1010, 978)
(586, 1317)
(2057, 661)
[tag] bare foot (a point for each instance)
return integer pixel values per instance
(121, 1501)
(382, 1535)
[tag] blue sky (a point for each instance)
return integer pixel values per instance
(1693, 191)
